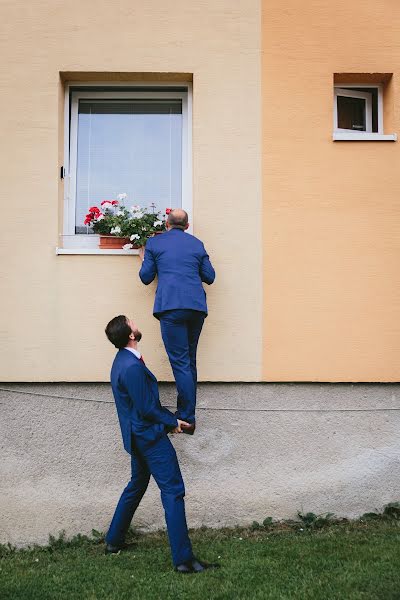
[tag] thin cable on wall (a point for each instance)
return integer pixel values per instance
(213, 408)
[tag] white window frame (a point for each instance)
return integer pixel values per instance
(367, 96)
(353, 136)
(71, 240)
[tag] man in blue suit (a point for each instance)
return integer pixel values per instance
(182, 264)
(144, 425)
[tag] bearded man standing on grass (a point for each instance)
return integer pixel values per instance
(182, 265)
(144, 426)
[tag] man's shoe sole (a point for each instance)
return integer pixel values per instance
(188, 431)
(184, 572)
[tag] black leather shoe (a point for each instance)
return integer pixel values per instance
(199, 566)
(195, 566)
(189, 430)
(184, 568)
(110, 549)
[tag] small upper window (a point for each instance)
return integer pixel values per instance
(358, 109)
(359, 100)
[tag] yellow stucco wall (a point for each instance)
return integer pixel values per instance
(303, 231)
(55, 307)
(331, 209)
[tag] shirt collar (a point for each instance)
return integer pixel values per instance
(134, 351)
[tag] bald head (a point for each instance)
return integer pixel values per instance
(178, 219)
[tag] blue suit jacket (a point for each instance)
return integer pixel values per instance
(182, 264)
(136, 397)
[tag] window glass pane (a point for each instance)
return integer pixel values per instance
(132, 147)
(351, 113)
(374, 98)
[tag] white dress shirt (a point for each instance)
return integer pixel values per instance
(134, 351)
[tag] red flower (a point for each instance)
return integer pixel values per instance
(94, 210)
(168, 210)
(88, 219)
(114, 202)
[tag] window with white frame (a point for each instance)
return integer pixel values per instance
(354, 110)
(125, 141)
(358, 113)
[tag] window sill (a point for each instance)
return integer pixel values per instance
(340, 136)
(87, 244)
(61, 251)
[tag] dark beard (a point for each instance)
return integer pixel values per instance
(138, 335)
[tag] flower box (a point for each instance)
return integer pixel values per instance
(123, 228)
(112, 242)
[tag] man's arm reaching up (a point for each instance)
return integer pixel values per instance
(148, 270)
(207, 272)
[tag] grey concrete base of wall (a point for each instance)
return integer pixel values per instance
(259, 450)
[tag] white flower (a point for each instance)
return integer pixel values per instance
(119, 213)
(100, 218)
(127, 247)
(134, 236)
(116, 229)
(122, 196)
(137, 215)
(135, 208)
(157, 223)
(106, 204)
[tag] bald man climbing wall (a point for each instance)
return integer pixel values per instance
(182, 264)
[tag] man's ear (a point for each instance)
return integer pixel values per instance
(187, 226)
(132, 336)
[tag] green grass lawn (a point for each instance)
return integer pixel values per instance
(346, 561)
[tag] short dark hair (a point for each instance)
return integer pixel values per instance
(118, 331)
(178, 219)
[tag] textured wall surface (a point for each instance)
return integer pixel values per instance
(71, 298)
(331, 209)
(259, 450)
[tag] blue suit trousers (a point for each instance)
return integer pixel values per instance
(180, 331)
(159, 460)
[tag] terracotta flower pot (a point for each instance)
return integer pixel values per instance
(112, 242)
